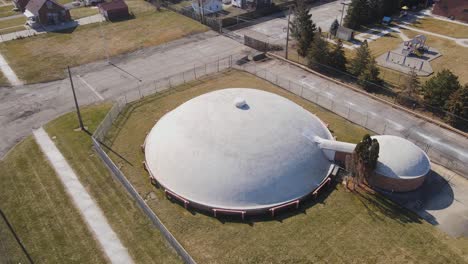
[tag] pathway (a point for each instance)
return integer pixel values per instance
(11, 17)
(459, 41)
(428, 12)
(88, 208)
(32, 32)
(8, 72)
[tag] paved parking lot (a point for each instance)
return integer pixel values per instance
(323, 15)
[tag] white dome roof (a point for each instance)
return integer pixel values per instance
(400, 158)
(217, 151)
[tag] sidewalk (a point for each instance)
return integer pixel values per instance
(88, 208)
(32, 32)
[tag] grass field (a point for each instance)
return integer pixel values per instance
(340, 227)
(442, 27)
(6, 11)
(52, 52)
(43, 216)
(144, 242)
(80, 12)
(454, 56)
(3, 80)
(12, 25)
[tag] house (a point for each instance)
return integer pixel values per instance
(46, 12)
(207, 6)
(20, 4)
(115, 10)
(456, 9)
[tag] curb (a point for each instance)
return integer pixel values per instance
(433, 121)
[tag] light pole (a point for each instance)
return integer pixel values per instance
(342, 11)
(287, 32)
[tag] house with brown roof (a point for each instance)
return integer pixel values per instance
(46, 12)
(20, 4)
(457, 9)
(115, 10)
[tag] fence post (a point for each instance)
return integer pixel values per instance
(170, 85)
(385, 128)
(289, 85)
(194, 71)
(367, 117)
(349, 111)
(205, 68)
(218, 65)
(183, 76)
(139, 91)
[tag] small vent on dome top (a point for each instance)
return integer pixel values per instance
(240, 103)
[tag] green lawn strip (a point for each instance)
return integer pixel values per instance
(6, 11)
(339, 227)
(143, 240)
(442, 27)
(54, 51)
(12, 25)
(80, 12)
(41, 213)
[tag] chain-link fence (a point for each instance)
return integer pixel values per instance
(365, 119)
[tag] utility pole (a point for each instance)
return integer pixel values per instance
(104, 42)
(76, 101)
(287, 32)
(342, 12)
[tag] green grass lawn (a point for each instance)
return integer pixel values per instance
(80, 12)
(442, 27)
(41, 213)
(52, 52)
(340, 227)
(144, 242)
(6, 11)
(12, 25)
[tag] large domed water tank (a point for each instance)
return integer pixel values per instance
(238, 149)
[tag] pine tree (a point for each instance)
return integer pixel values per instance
(410, 88)
(319, 54)
(438, 89)
(334, 27)
(302, 28)
(457, 106)
(337, 57)
(390, 7)
(370, 75)
(358, 14)
(361, 60)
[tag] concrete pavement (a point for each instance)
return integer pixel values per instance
(89, 210)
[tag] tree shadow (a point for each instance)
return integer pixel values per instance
(435, 193)
(18, 240)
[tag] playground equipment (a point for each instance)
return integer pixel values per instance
(416, 46)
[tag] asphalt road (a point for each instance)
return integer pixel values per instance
(323, 16)
(23, 108)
